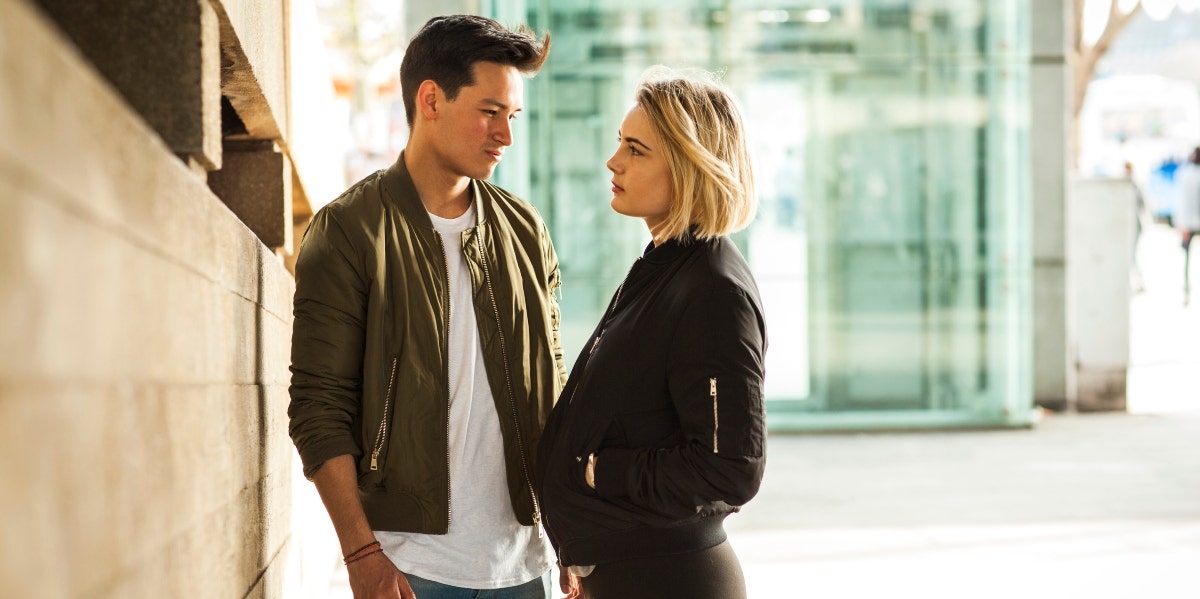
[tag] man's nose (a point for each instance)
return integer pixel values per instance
(503, 133)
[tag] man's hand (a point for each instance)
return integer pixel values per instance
(373, 576)
(569, 583)
(376, 577)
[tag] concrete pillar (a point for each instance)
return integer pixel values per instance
(178, 92)
(1049, 130)
(1100, 243)
(256, 184)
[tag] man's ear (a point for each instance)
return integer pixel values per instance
(429, 99)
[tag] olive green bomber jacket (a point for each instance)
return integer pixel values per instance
(370, 343)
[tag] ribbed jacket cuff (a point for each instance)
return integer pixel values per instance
(315, 454)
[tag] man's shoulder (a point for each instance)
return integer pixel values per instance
(349, 215)
(365, 191)
(496, 193)
(509, 203)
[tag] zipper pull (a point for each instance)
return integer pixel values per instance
(537, 523)
(712, 390)
(595, 343)
(375, 460)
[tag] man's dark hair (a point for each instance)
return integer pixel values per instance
(446, 48)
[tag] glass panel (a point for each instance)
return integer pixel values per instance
(890, 145)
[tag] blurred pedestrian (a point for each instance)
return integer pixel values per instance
(659, 434)
(1141, 219)
(1187, 212)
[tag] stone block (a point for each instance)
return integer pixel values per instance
(254, 64)
(255, 182)
(163, 57)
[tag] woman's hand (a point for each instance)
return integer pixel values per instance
(569, 583)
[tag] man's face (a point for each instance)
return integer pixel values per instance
(472, 131)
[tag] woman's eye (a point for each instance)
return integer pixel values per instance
(633, 150)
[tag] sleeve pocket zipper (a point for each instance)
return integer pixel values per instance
(383, 422)
(712, 390)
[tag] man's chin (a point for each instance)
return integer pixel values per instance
(483, 174)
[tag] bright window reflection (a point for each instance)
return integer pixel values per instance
(890, 141)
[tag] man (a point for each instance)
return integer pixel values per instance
(425, 350)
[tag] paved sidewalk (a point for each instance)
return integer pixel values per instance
(1097, 506)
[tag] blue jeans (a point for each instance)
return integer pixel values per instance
(538, 588)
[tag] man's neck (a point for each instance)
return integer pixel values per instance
(444, 194)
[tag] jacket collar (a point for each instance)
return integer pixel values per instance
(399, 188)
(670, 249)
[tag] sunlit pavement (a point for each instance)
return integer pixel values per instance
(1097, 506)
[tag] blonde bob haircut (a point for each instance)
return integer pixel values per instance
(704, 142)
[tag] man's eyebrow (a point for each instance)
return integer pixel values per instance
(497, 104)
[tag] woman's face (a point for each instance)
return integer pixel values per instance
(641, 182)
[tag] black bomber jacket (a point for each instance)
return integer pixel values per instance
(668, 394)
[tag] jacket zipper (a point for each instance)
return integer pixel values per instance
(712, 390)
(383, 423)
(446, 362)
(596, 341)
(512, 403)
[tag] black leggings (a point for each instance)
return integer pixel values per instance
(712, 573)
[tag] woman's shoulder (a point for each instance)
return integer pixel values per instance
(724, 262)
(716, 268)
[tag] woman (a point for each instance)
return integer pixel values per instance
(659, 432)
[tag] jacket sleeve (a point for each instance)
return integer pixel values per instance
(553, 287)
(327, 344)
(715, 379)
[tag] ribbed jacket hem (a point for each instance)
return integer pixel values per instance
(644, 542)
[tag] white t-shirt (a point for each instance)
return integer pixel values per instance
(486, 548)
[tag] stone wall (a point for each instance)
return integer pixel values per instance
(144, 352)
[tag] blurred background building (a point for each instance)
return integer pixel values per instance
(893, 148)
(915, 162)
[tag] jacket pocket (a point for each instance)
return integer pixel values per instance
(376, 456)
(738, 419)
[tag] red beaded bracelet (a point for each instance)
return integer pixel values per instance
(356, 552)
(362, 555)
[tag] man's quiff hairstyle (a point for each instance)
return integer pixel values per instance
(704, 142)
(446, 49)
